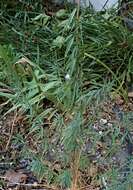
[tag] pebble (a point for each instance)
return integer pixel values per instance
(109, 125)
(95, 126)
(103, 121)
(114, 158)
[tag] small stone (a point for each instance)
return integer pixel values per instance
(110, 125)
(53, 150)
(95, 127)
(103, 121)
(104, 152)
(114, 158)
(98, 156)
(130, 94)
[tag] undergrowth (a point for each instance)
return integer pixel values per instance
(54, 71)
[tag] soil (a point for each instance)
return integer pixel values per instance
(14, 169)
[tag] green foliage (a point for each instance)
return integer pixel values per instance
(53, 68)
(41, 170)
(72, 134)
(84, 162)
(64, 179)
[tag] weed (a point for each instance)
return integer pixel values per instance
(52, 69)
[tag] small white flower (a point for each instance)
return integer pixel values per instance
(67, 77)
(100, 132)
